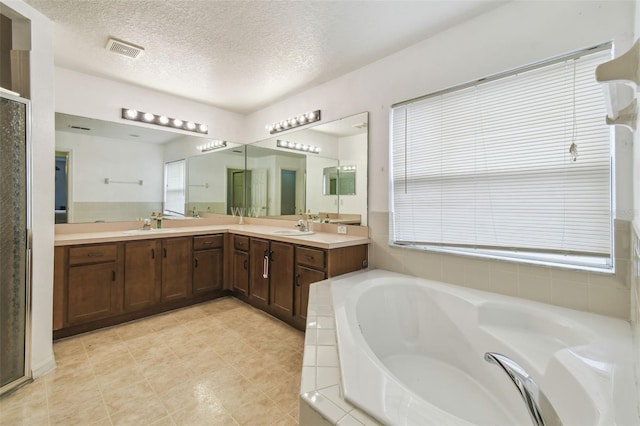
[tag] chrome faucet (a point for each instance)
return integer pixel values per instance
(303, 227)
(540, 409)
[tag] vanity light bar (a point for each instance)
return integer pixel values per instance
(161, 120)
(298, 146)
(348, 168)
(211, 145)
(290, 123)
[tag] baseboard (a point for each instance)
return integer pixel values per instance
(43, 368)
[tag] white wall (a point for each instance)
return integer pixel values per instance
(518, 33)
(353, 151)
(96, 158)
(95, 97)
(43, 177)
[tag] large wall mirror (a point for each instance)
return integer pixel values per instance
(331, 185)
(107, 171)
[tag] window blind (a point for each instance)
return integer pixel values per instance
(174, 180)
(488, 166)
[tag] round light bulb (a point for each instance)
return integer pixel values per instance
(302, 118)
(204, 128)
(293, 121)
(311, 116)
(297, 146)
(163, 120)
(131, 113)
(305, 148)
(147, 116)
(177, 122)
(191, 125)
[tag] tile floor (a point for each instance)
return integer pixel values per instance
(217, 363)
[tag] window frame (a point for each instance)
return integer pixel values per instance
(603, 263)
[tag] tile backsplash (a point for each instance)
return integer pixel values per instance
(601, 293)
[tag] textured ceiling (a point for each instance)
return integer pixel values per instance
(241, 55)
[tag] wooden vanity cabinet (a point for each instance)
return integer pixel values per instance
(208, 263)
(176, 268)
(314, 264)
(93, 283)
(271, 276)
(240, 266)
(142, 281)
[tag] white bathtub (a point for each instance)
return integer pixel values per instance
(412, 353)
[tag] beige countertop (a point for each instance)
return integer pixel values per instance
(318, 239)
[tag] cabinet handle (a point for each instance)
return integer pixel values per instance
(113, 275)
(196, 262)
(265, 267)
(95, 254)
(207, 243)
(297, 280)
(245, 264)
(153, 253)
(165, 252)
(308, 257)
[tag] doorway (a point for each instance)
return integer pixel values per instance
(287, 192)
(235, 191)
(61, 207)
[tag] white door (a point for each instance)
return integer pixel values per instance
(259, 198)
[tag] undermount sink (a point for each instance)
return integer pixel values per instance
(147, 231)
(291, 232)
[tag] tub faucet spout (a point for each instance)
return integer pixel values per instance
(540, 409)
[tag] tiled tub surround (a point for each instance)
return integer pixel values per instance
(321, 400)
(600, 293)
(566, 363)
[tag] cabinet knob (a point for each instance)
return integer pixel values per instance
(196, 262)
(297, 280)
(153, 253)
(245, 264)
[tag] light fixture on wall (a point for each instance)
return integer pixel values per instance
(290, 123)
(348, 168)
(298, 146)
(161, 120)
(211, 145)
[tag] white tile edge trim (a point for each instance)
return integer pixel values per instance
(320, 386)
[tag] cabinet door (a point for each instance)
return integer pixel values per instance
(258, 271)
(142, 274)
(207, 270)
(90, 291)
(241, 272)
(176, 268)
(304, 278)
(281, 277)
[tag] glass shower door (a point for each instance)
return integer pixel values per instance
(14, 242)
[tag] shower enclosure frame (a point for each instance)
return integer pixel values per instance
(27, 374)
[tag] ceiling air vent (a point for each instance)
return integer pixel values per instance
(123, 48)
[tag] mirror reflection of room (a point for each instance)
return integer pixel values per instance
(116, 172)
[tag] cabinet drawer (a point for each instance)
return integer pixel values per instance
(93, 254)
(310, 257)
(207, 242)
(241, 243)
